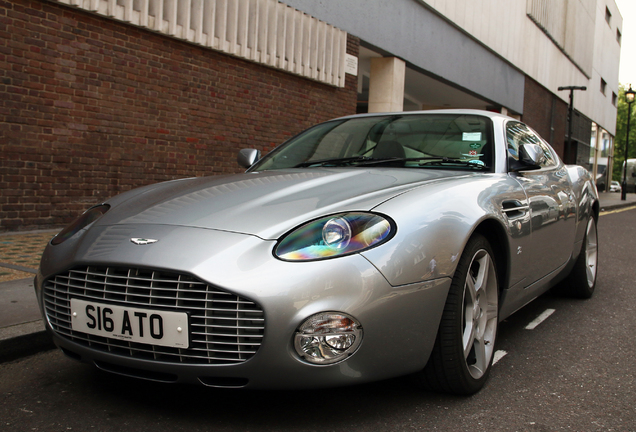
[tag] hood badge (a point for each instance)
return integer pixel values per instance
(143, 241)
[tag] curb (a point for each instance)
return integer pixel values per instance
(617, 206)
(23, 340)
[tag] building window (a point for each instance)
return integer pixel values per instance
(603, 86)
(619, 36)
(608, 16)
(614, 99)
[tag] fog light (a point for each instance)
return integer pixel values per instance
(328, 338)
(340, 342)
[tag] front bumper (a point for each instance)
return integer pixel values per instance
(400, 323)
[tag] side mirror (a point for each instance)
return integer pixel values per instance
(531, 157)
(532, 154)
(247, 157)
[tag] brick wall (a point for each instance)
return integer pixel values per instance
(91, 107)
(541, 109)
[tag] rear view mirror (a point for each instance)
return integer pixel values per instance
(247, 157)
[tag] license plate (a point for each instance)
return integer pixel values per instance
(155, 327)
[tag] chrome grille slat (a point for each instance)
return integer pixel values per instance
(189, 308)
(126, 280)
(156, 302)
(260, 336)
(236, 319)
(231, 343)
(80, 284)
(114, 346)
(156, 297)
(224, 328)
(232, 327)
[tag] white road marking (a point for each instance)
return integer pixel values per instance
(540, 319)
(498, 356)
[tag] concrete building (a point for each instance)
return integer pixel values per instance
(509, 56)
(100, 96)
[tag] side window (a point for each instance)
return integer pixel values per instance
(518, 134)
(549, 154)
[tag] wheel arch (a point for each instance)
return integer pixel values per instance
(596, 210)
(497, 237)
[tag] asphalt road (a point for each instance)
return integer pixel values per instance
(574, 371)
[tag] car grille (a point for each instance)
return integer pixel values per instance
(224, 328)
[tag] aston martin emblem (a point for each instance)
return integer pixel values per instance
(143, 241)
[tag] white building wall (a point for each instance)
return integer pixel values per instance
(578, 27)
(606, 63)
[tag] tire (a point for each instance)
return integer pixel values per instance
(462, 355)
(581, 281)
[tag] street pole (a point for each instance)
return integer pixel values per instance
(566, 153)
(629, 97)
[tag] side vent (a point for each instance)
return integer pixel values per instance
(514, 209)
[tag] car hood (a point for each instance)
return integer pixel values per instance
(265, 204)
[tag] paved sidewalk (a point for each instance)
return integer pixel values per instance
(21, 325)
(612, 201)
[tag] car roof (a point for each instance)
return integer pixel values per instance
(483, 113)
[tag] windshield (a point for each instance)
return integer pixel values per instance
(454, 141)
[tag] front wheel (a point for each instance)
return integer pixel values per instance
(462, 356)
(581, 281)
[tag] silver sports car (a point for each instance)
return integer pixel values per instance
(367, 247)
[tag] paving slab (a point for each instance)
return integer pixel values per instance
(18, 303)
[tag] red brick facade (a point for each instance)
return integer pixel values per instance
(544, 111)
(91, 107)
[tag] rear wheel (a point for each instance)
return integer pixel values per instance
(462, 356)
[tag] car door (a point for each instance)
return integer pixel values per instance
(551, 205)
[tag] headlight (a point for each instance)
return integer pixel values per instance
(87, 218)
(327, 338)
(335, 235)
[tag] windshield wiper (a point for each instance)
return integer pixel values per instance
(443, 160)
(333, 161)
(429, 161)
(366, 160)
(357, 160)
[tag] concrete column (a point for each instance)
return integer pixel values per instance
(610, 159)
(598, 143)
(386, 86)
